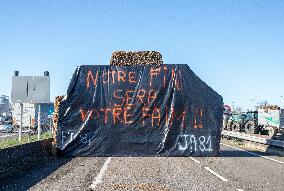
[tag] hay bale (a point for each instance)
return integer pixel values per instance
(57, 102)
(124, 58)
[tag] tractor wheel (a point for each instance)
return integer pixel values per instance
(249, 127)
(226, 126)
(272, 131)
(235, 127)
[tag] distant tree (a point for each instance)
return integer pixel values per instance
(265, 105)
(262, 104)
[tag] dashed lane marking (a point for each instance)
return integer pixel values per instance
(253, 153)
(99, 177)
(216, 174)
(210, 170)
(194, 160)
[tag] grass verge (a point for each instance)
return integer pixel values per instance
(25, 139)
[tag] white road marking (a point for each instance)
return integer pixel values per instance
(216, 174)
(238, 189)
(253, 153)
(99, 177)
(210, 170)
(194, 160)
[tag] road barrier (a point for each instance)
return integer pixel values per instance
(252, 138)
(139, 110)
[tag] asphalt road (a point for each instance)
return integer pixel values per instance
(236, 169)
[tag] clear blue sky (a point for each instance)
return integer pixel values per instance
(237, 47)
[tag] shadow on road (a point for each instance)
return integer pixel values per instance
(29, 177)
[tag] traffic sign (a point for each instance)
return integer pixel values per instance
(227, 109)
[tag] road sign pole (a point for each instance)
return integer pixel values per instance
(21, 123)
(50, 125)
(38, 124)
(29, 128)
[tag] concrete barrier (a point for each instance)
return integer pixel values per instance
(252, 138)
(15, 159)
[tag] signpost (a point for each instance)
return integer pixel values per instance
(21, 125)
(38, 124)
(30, 89)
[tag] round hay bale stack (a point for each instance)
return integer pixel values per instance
(57, 102)
(124, 58)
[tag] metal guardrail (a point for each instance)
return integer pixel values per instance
(253, 138)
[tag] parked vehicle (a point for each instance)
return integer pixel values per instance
(233, 122)
(6, 118)
(260, 121)
(250, 122)
(6, 128)
(270, 120)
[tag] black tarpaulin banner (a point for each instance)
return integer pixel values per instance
(139, 111)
